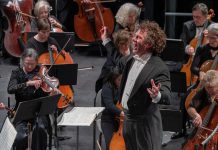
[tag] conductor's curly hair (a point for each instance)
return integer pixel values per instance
(155, 36)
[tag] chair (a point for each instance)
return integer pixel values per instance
(97, 103)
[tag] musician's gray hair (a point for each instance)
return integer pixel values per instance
(211, 78)
(40, 4)
(213, 28)
(29, 52)
(124, 11)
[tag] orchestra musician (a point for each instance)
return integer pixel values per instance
(25, 88)
(192, 29)
(204, 97)
(42, 10)
(195, 27)
(145, 83)
(110, 97)
(206, 52)
(127, 17)
(116, 49)
(42, 42)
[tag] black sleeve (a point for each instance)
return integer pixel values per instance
(107, 99)
(14, 85)
(184, 35)
(195, 67)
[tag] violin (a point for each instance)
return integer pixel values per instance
(11, 112)
(90, 19)
(55, 58)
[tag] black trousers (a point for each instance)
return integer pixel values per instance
(137, 135)
(39, 135)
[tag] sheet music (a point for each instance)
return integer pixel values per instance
(7, 135)
(80, 116)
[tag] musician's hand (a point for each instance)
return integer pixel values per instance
(121, 114)
(63, 52)
(104, 33)
(54, 91)
(197, 120)
(201, 75)
(86, 1)
(2, 105)
(154, 90)
(205, 32)
(12, 6)
(54, 22)
(140, 4)
(54, 48)
(35, 83)
(190, 50)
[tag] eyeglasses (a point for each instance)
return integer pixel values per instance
(29, 64)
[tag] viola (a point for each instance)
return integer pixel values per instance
(90, 19)
(11, 112)
(17, 26)
(195, 43)
(66, 90)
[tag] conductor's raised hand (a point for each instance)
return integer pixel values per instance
(104, 33)
(154, 90)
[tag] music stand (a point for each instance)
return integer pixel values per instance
(34, 108)
(174, 50)
(61, 38)
(66, 73)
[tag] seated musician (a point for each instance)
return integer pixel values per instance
(110, 97)
(193, 28)
(127, 17)
(116, 50)
(42, 42)
(25, 88)
(204, 97)
(206, 52)
(42, 10)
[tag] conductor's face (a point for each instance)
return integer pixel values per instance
(139, 45)
(29, 64)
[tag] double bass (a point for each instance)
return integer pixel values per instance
(90, 19)
(17, 26)
(195, 43)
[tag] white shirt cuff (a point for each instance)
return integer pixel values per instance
(105, 41)
(157, 99)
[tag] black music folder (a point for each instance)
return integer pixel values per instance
(37, 107)
(66, 73)
(174, 50)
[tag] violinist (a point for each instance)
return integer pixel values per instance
(127, 17)
(195, 27)
(25, 88)
(42, 42)
(204, 97)
(206, 52)
(42, 10)
(110, 97)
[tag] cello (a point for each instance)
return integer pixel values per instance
(117, 141)
(90, 19)
(209, 123)
(195, 43)
(17, 26)
(207, 65)
(67, 91)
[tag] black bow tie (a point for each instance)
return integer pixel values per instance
(199, 26)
